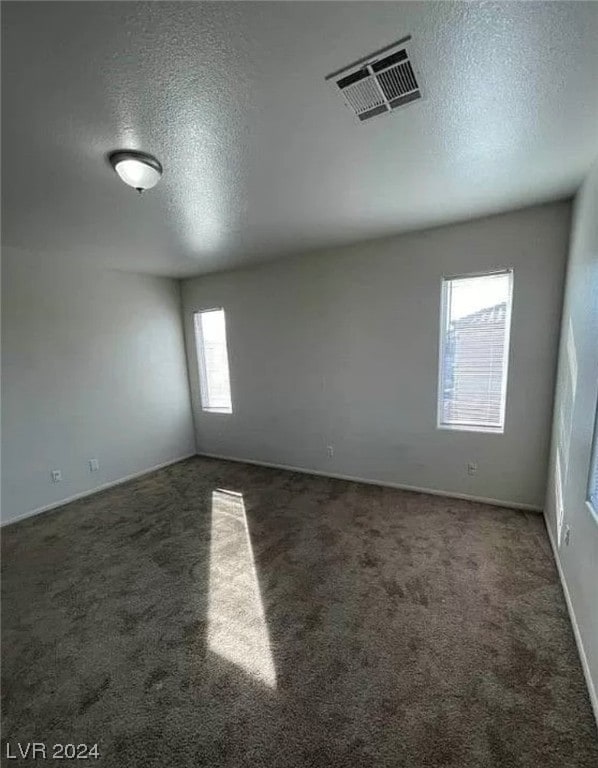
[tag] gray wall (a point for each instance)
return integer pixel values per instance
(574, 415)
(93, 366)
(341, 348)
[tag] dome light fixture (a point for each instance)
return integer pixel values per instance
(137, 169)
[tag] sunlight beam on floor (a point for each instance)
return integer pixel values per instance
(237, 628)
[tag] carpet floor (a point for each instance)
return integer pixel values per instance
(221, 614)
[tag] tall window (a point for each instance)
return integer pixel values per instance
(212, 358)
(474, 351)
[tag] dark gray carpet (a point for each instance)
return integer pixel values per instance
(220, 614)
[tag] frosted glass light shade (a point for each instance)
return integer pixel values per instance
(137, 169)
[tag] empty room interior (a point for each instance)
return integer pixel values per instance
(299, 327)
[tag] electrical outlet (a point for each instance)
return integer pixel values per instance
(56, 475)
(330, 451)
(472, 468)
(94, 465)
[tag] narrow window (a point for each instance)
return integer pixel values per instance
(474, 351)
(593, 480)
(212, 358)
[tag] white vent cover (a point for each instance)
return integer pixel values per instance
(379, 83)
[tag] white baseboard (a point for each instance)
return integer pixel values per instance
(91, 491)
(384, 484)
(585, 665)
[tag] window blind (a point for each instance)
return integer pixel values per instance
(212, 358)
(474, 351)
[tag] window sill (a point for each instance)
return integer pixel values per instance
(217, 410)
(593, 510)
(471, 428)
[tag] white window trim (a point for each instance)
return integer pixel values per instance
(464, 427)
(593, 512)
(591, 503)
(201, 362)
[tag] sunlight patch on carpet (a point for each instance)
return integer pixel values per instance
(237, 628)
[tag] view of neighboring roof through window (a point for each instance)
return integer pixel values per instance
(212, 359)
(474, 351)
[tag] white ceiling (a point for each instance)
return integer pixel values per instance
(261, 158)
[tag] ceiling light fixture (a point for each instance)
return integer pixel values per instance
(137, 169)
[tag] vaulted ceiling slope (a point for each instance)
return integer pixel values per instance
(261, 158)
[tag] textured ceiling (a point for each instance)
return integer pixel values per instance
(261, 159)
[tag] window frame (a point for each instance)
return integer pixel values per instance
(464, 427)
(202, 371)
(592, 503)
